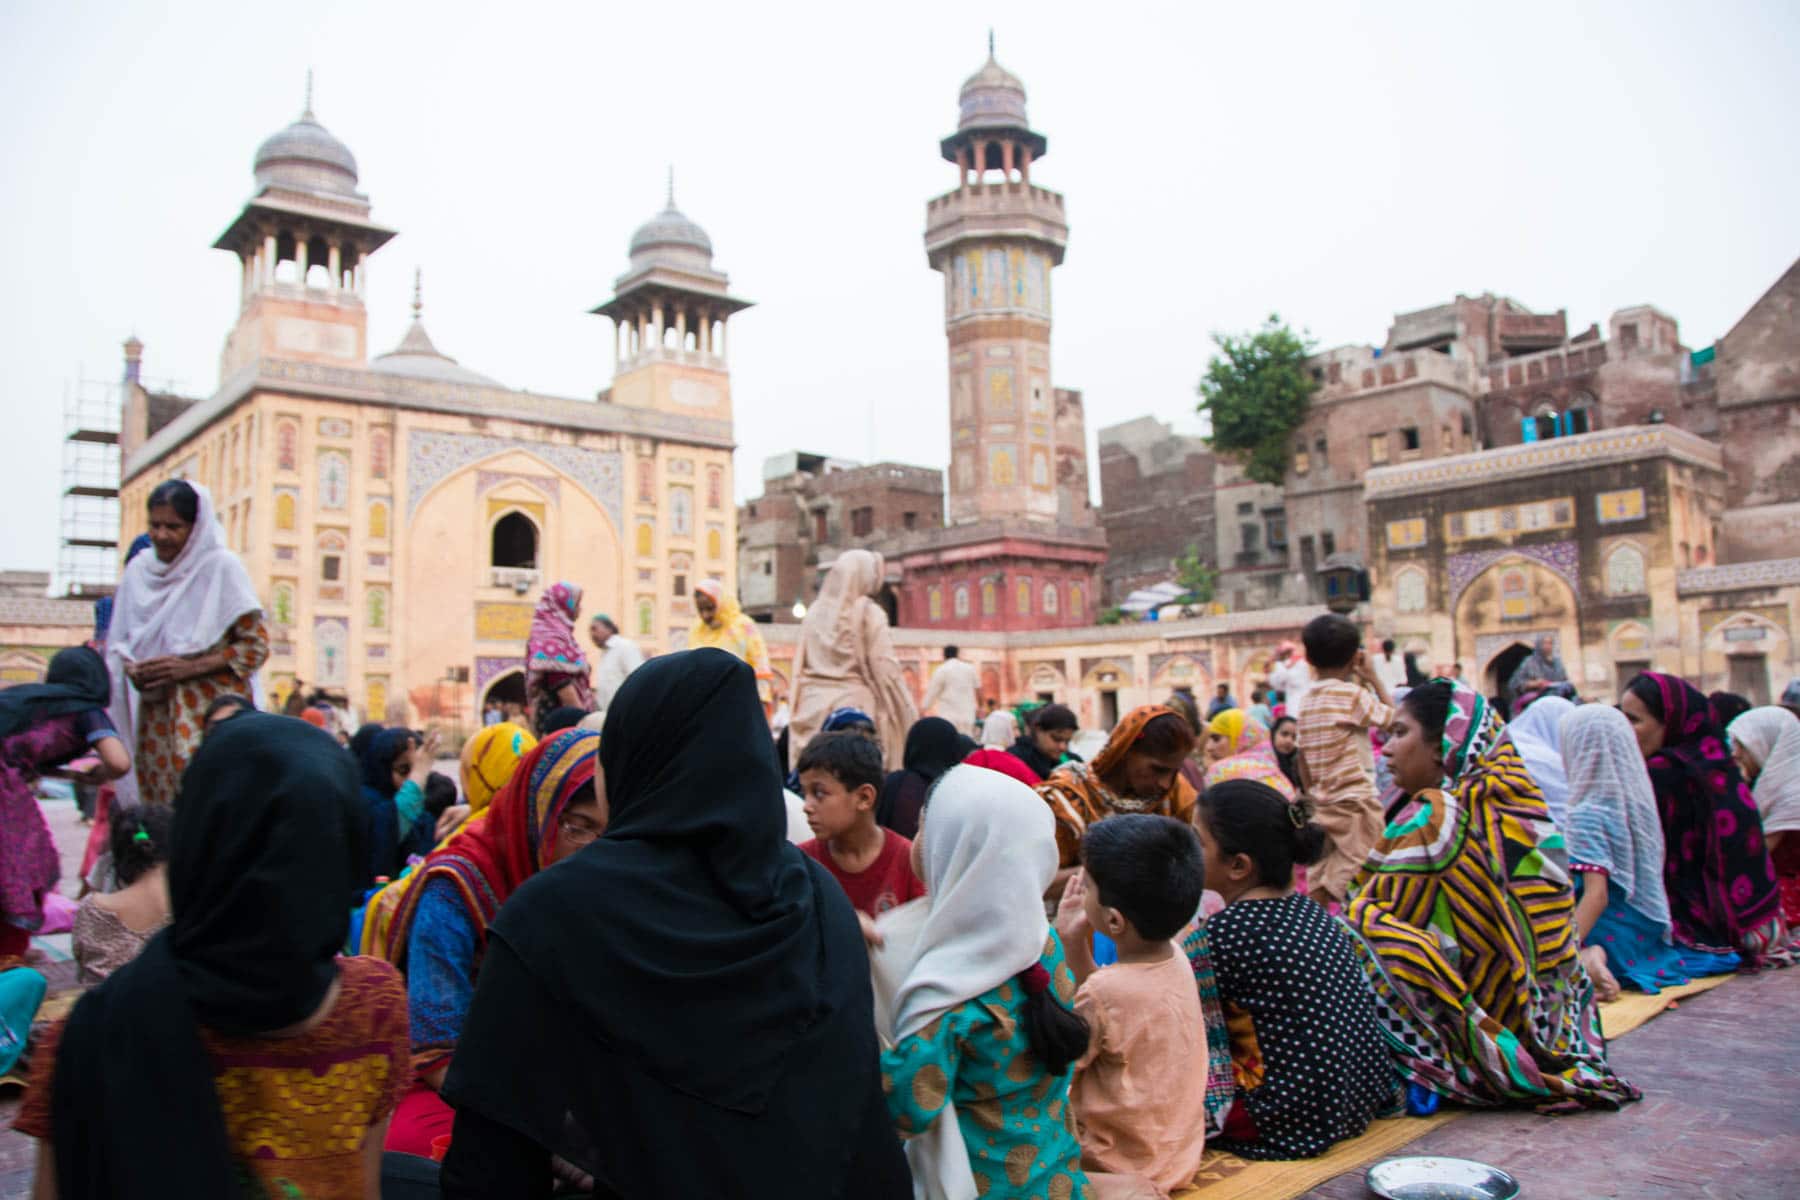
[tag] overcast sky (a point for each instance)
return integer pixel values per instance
(1335, 163)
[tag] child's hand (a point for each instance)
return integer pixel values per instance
(1071, 915)
(871, 935)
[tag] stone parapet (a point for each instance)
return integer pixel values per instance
(1627, 444)
(1771, 572)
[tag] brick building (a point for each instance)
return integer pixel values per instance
(1156, 500)
(813, 506)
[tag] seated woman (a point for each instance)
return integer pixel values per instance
(395, 766)
(689, 995)
(933, 746)
(1616, 855)
(1308, 1065)
(111, 928)
(982, 1028)
(1284, 738)
(1239, 748)
(192, 1066)
(1139, 770)
(1537, 734)
(1045, 742)
(1766, 744)
(1719, 878)
(1480, 1003)
(549, 808)
(1194, 769)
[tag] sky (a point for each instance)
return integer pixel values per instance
(1334, 163)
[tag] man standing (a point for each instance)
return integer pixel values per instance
(1390, 665)
(953, 691)
(619, 657)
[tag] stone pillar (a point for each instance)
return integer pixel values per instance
(618, 328)
(1006, 160)
(300, 263)
(334, 262)
(643, 330)
(962, 169)
(656, 325)
(681, 327)
(270, 259)
(249, 273)
(721, 339)
(1025, 163)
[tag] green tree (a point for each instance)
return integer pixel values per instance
(1198, 580)
(1112, 616)
(1255, 393)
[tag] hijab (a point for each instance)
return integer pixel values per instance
(1611, 818)
(1252, 755)
(1537, 735)
(1003, 762)
(359, 741)
(999, 730)
(551, 648)
(488, 859)
(933, 746)
(844, 644)
(1240, 730)
(488, 760)
(1727, 707)
(75, 683)
(1720, 882)
(103, 607)
(1289, 761)
(264, 856)
(1772, 736)
(182, 608)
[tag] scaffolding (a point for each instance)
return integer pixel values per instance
(89, 562)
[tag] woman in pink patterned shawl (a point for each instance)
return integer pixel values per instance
(556, 670)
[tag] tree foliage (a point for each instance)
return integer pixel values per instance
(1255, 393)
(1198, 580)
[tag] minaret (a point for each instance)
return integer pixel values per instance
(669, 311)
(303, 240)
(996, 238)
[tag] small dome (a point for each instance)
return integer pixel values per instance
(416, 357)
(992, 97)
(305, 155)
(671, 230)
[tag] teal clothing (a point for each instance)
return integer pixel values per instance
(1015, 1117)
(1638, 953)
(21, 992)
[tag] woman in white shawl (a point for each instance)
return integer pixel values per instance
(187, 628)
(846, 660)
(1537, 735)
(973, 995)
(1616, 860)
(1766, 743)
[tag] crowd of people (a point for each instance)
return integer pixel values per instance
(635, 949)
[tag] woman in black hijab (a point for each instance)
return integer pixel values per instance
(244, 984)
(688, 998)
(933, 746)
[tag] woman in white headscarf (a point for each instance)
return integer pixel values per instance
(1766, 743)
(983, 1043)
(1000, 730)
(1537, 734)
(846, 660)
(1616, 855)
(187, 628)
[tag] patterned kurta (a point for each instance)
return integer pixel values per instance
(170, 722)
(296, 1109)
(29, 864)
(1014, 1116)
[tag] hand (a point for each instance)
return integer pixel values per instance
(1071, 914)
(453, 816)
(1606, 988)
(155, 674)
(871, 935)
(426, 758)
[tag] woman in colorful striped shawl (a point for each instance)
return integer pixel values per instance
(1463, 922)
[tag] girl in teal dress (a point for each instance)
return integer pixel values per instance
(985, 1042)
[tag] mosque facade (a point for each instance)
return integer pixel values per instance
(400, 513)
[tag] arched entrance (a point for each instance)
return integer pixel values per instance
(1501, 668)
(508, 692)
(1502, 612)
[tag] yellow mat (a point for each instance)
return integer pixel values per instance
(1225, 1176)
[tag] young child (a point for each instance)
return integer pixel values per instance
(1346, 700)
(1140, 1090)
(840, 779)
(112, 927)
(1308, 1059)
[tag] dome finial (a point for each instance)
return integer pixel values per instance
(669, 201)
(307, 112)
(418, 292)
(990, 45)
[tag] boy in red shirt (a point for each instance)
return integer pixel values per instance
(840, 779)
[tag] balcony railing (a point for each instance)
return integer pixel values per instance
(519, 579)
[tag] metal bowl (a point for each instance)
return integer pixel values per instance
(1429, 1177)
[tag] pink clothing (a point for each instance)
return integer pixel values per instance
(1140, 1090)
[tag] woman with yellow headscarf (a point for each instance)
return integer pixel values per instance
(722, 625)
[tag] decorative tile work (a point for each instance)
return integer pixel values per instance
(1404, 535)
(433, 457)
(500, 622)
(1614, 507)
(550, 485)
(1564, 558)
(1770, 572)
(332, 427)
(489, 669)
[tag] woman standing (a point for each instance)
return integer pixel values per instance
(187, 628)
(691, 992)
(196, 1069)
(1616, 856)
(1766, 744)
(1139, 770)
(1721, 884)
(846, 657)
(720, 624)
(42, 726)
(1463, 921)
(556, 669)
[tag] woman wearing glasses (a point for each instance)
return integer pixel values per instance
(553, 806)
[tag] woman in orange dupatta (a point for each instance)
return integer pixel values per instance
(1138, 771)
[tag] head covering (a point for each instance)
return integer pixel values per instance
(1538, 666)
(1289, 760)
(846, 655)
(1537, 733)
(566, 716)
(1718, 876)
(376, 762)
(1125, 735)
(1790, 695)
(488, 859)
(176, 608)
(933, 746)
(1249, 755)
(1079, 795)
(1240, 730)
(263, 861)
(314, 717)
(1003, 762)
(1772, 737)
(76, 682)
(843, 718)
(1727, 707)
(103, 607)
(488, 760)
(551, 648)
(1611, 819)
(999, 730)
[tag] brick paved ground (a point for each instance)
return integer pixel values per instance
(1720, 1118)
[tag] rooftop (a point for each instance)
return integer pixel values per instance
(1625, 444)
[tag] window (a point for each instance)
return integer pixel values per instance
(1319, 450)
(1378, 448)
(1023, 597)
(1328, 543)
(1275, 525)
(1251, 536)
(909, 520)
(1302, 463)
(378, 608)
(1409, 590)
(1308, 559)
(678, 585)
(1409, 439)
(990, 598)
(960, 600)
(821, 530)
(1245, 508)
(1628, 336)
(1050, 599)
(681, 511)
(1625, 572)
(514, 542)
(862, 522)
(378, 520)
(330, 567)
(1576, 420)
(378, 454)
(287, 446)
